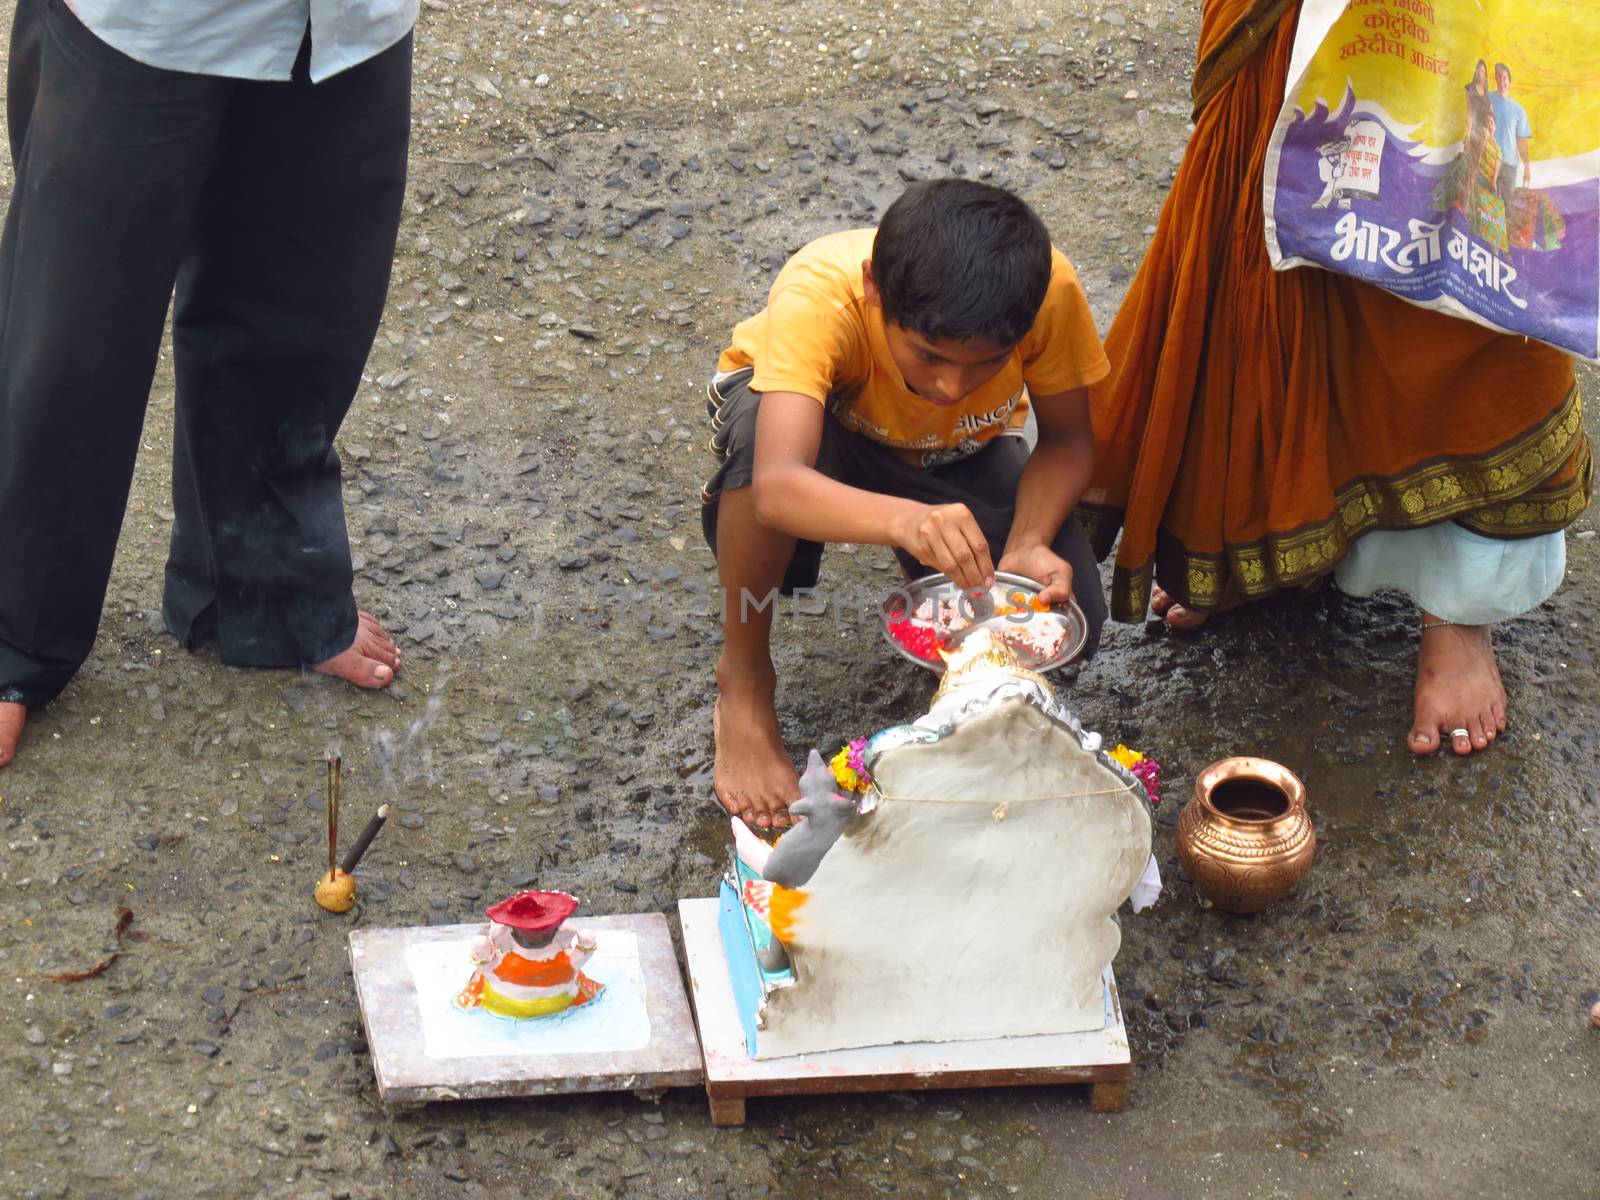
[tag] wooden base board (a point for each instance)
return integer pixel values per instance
(637, 1036)
(1098, 1058)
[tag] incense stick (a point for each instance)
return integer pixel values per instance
(334, 768)
(371, 831)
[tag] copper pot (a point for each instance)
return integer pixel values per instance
(1246, 837)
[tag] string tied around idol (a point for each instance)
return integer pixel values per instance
(1003, 807)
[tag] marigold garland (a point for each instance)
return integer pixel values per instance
(1144, 768)
(849, 766)
(850, 769)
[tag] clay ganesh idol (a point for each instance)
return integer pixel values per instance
(958, 884)
(527, 964)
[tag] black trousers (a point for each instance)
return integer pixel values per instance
(985, 481)
(272, 208)
(1506, 185)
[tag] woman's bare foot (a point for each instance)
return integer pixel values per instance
(12, 718)
(1458, 688)
(752, 774)
(372, 659)
(1177, 616)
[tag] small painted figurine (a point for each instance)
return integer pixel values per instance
(526, 965)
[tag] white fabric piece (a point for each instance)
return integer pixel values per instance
(752, 851)
(1456, 574)
(1148, 890)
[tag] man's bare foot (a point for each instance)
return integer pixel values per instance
(12, 718)
(752, 775)
(1458, 688)
(1177, 616)
(370, 662)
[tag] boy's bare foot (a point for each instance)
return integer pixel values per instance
(752, 775)
(12, 718)
(370, 662)
(1177, 616)
(1459, 692)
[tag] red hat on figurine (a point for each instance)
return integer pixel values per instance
(533, 912)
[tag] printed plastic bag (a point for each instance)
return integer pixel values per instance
(1448, 153)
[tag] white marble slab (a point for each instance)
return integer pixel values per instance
(637, 1035)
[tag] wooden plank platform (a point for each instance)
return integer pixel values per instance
(1098, 1058)
(638, 1035)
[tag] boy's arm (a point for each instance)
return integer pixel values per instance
(1055, 477)
(792, 496)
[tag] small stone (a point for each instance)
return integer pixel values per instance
(541, 80)
(465, 863)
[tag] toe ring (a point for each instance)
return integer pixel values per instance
(1455, 733)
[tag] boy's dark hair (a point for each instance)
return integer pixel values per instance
(955, 260)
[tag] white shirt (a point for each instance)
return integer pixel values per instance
(248, 39)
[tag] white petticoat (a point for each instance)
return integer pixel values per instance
(1456, 574)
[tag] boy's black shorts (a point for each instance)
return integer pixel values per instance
(985, 481)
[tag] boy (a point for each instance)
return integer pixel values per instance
(876, 400)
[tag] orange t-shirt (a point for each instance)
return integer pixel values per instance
(819, 337)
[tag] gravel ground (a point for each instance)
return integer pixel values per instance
(598, 192)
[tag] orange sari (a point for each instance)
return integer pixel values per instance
(1255, 423)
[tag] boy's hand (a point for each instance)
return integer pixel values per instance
(1038, 562)
(947, 535)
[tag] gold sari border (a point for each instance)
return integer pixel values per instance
(1498, 494)
(1223, 63)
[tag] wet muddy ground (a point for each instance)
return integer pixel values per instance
(598, 192)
